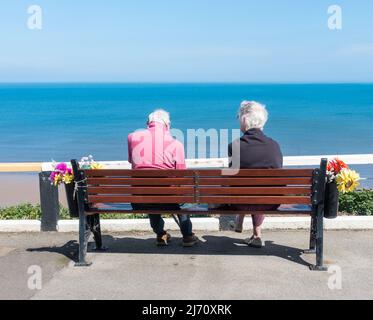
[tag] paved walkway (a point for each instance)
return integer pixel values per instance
(219, 268)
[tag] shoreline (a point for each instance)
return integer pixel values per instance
(18, 188)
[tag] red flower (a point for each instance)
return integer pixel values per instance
(336, 166)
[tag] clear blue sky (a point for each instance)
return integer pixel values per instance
(186, 41)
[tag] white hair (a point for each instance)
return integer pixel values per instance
(252, 115)
(160, 116)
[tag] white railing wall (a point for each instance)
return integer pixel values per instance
(351, 159)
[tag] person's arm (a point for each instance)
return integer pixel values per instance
(180, 157)
(230, 155)
(279, 156)
(129, 144)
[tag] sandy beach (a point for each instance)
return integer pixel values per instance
(21, 188)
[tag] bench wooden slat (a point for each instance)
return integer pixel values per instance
(140, 199)
(255, 190)
(141, 181)
(255, 200)
(200, 172)
(257, 173)
(202, 199)
(138, 173)
(141, 190)
(202, 190)
(254, 181)
(94, 210)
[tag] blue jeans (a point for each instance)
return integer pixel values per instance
(157, 222)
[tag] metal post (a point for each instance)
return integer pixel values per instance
(49, 203)
(320, 219)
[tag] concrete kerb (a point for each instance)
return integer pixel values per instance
(199, 224)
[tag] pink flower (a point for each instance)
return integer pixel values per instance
(62, 167)
(52, 176)
(61, 173)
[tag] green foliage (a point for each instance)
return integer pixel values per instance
(27, 211)
(123, 216)
(64, 213)
(23, 211)
(359, 202)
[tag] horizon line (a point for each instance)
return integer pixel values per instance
(193, 82)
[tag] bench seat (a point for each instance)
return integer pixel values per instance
(202, 209)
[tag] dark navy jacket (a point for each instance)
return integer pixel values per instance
(257, 151)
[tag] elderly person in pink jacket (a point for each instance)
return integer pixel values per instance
(155, 148)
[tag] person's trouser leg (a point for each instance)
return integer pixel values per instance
(157, 223)
(258, 220)
(239, 222)
(186, 227)
(257, 225)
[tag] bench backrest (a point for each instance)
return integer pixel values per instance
(248, 186)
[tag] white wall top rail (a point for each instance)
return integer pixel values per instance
(351, 159)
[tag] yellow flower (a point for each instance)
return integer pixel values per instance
(347, 180)
(57, 179)
(68, 178)
(96, 165)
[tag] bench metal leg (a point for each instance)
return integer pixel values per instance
(318, 199)
(95, 227)
(312, 248)
(84, 228)
(84, 233)
(319, 241)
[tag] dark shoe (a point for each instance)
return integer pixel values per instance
(163, 240)
(234, 227)
(254, 242)
(190, 241)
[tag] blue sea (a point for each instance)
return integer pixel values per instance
(41, 122)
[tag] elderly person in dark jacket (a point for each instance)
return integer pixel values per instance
(254, 151)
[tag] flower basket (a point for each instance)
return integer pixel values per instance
(71, 202)
(340, 179)
(331, 206)
(63, 173)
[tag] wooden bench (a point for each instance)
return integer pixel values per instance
(108, 191)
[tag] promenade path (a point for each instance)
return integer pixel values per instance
(220, 267)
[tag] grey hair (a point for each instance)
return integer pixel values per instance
(252, 115)
(160, 116)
